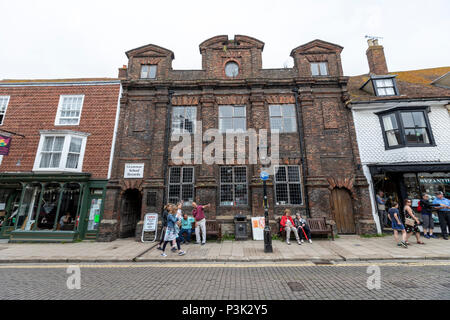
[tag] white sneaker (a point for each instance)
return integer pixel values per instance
(310, 241)
(181, 253)
(301, 241)
(164, 254)
(288, 242)
(298, 241)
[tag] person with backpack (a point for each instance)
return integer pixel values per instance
(425, 208)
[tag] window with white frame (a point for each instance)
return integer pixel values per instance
(232, 118)
(69, 110)
(60, 152)
(181, 185)
(282, 117)
(385, 87)
(319, 69)
(233, 186)
(183, 119)
(148, 71)
(288, 190)
(4, 100)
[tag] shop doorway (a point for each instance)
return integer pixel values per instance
(130, 212)
(341, 205)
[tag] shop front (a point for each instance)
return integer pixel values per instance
(49, 208)
(410, 181)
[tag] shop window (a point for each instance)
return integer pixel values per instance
(49, 211)
(60, 152)
(70, 205)
(233, 186)
(181, 185)
(4, 100)
(232, 119)
(183, 119)
(282, 118)
(9, 206)
(431, 183)
(319, 69)
(288, 189)
(69, 110)
(406, 128)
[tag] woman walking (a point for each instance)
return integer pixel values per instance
(164, 215)
(397, 225)
(411, 228)
(172, 232)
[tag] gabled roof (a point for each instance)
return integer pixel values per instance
(324, 45)
(411, 84)
(223, 39)
(153, 49)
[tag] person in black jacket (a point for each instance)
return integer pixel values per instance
(164, 215)
(427, 216)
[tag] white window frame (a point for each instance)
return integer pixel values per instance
(282, 130)
(221, 130)
(184, 131)
(287, 182)
(60, 105)
(65, 150)
(181, 183)
(319, 70)
(6, 107)
(148, 73)
(384, 88)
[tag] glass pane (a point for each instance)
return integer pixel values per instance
(289, 111)
(187, 192)
(174, 193)
(188, 126)
(175, 175)
(387, 83)
(239, 124)
(75, 145)
(281, 193)
(56, 157)
(144, 71)
(275, 123)
(390, 91)
(280, 174)
(393, 137)
(59, 143)
(407, 118)
(239, 111)
(289, 125)
(295, 193)
(48, 144)
(226, 111)
(240, 174)
(422, 136)
(47, 215)
(69, 207)
(226, 174)
(410, 135)
(94, 212)
(382, 92)
(188, 174)
(225, 124)
(419, 119)
(293, 174)
(314, 69)
(323, 68)
(226, 194)
(240, 193)
(152, 72)
(72, 161)
(390, 122)
(45, 160)
(275, 110)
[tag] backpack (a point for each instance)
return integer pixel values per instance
(419, 206)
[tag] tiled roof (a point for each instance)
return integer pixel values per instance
(56, 80)
(411, 84)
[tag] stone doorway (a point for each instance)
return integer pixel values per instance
(130, 212)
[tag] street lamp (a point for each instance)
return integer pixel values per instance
(267, 236)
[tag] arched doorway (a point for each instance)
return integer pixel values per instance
(130, 212)
(341, 206)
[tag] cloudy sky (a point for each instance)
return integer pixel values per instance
(88, 38)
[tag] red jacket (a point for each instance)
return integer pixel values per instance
(283, 222)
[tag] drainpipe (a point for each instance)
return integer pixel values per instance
(302, 148)
(166, 146)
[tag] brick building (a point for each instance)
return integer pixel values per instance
(319, 174)
(402, 122)
(60, 156)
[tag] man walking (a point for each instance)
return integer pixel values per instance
(200, 221)
(443, 207)
(381, 203)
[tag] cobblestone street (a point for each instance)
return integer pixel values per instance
(205, 281)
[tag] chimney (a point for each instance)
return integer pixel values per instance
(123, 72)
(375, 57)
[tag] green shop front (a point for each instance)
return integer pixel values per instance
(50, 207)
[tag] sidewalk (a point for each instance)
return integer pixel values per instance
(345, 248)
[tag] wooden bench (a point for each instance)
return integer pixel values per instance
(213, 228)
(316, 226)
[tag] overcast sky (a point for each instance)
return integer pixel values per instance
(88, 38)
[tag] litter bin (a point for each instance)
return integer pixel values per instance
(240, 224)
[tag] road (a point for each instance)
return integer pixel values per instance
(398, 280)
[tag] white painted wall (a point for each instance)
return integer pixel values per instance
(370, 138)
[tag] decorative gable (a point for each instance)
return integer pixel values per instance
(149, 55)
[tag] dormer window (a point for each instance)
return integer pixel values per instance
(319, 69)
(384, 87)
(148, 71)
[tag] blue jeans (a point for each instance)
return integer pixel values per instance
(188, 232)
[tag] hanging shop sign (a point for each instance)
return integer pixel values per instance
(134, 170)
(5, 143)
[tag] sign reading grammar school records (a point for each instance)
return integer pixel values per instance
(134, 170)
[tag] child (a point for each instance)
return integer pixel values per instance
(397, 225)
(302, 227)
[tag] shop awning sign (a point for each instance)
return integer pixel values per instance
(5, 143)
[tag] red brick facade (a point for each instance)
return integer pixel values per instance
(33, 108)
(325, 136)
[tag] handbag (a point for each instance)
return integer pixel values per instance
(409, 222)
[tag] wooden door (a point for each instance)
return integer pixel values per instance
(341, 205)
